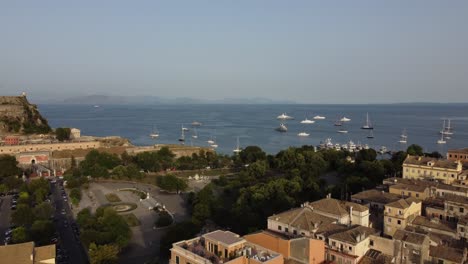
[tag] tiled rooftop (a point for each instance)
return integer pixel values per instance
(403, 203)
(376, 196)
(410, 237)
(424, 161)
(447, 253)
(354, 234)
(409, 187)
(434, 224)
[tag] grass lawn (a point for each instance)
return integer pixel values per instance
(131, 220)
(113, 198)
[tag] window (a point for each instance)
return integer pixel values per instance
(400, 212)
(440, 261)
(350, 248)
(409, 193)
(371, 242)
(279, 228)
(451, 208)
(462, 229)
(295, 232)
(177, 260)
(399, 222)
(462, 209)
(407, 170)
(286, 230)
(404, 245)
(389, 220)
(333, 243)
(417, 195)
(389, 210)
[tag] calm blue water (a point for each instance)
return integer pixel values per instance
(254, 124)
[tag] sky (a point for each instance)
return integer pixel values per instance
(303, 51)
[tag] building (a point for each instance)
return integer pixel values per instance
(435, 226)
(417, 167)
(343, 212)
(398, 214)
(302, 221)
(350, 245)
(437, 189)
(374, 198)
(462, 227)
(27, 253)
(456, 207)
(297, 250)
(75, 133)
(458, 155)
(411, 190)
(221, 247)
(434, 208)
(11, 140)
(411, 247)
(447, 255)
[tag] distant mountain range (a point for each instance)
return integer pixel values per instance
(129, 100)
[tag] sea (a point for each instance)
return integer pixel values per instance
(255, 124)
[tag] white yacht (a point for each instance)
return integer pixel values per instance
(307, 121)
(366, 146)
(318, 117)
(237, 149)
(210, 141)
(368, 124)
(214, 145)
(154, 133)
(284, 116)
(282, 128)
(328, 143)
(383, 150)
(351, 146)
(342, 131)
(303, 134)
(345, 119)
(337, 146)
(195, 135)
(196, 124)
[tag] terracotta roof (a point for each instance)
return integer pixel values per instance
(456, 198)
(434, 224)
(225, 237)
(410, 237)
(462, 150)
(423, 161)
(417, 182)
(329, 229)
(447, 253)
(403, 203)
(303, 218)
(409, 187)
(336, 207)
(376, 196)
(355, 234)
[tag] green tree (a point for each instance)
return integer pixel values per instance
(12, 182)
(43, 211)
(19, 235)
(3, 188)
(366, 154)
(415, 150)
(62, 133)
(75, 195)
(171, 183)
(22, 216)
(103, 254)
(42, 231)
(9, 166)
(251, 154)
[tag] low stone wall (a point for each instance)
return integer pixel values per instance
(48, 147)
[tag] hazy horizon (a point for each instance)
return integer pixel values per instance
(327, 52)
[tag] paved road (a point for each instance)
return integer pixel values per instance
(5, 213)
(68, 240)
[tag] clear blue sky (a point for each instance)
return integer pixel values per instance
(307, 51)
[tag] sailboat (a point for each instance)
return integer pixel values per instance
(182, 136)
(154, 133)
(210, 141)
(368, 124)
(345, 119)
(318, 117)
(282, 128)
(237, 149)
(195, 135)
(403, 137)
(184, 128)
(371, 134)
(338, 123)
(284, 116)
(441, 140)
(447, 130)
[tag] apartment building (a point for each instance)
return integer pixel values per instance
(456, 207)
(349, 246)
(374, 199)
(296, 250)
(411, 247)
(221, 247)
(343, 212)
(458, 155)
(462, 227)
(398, 214)
(447, 255)
(419, 191)
(435, 226)
(445, 171)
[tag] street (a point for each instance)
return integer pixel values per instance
(70, 246)
(5, 213)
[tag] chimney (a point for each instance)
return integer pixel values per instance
(350, 215)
